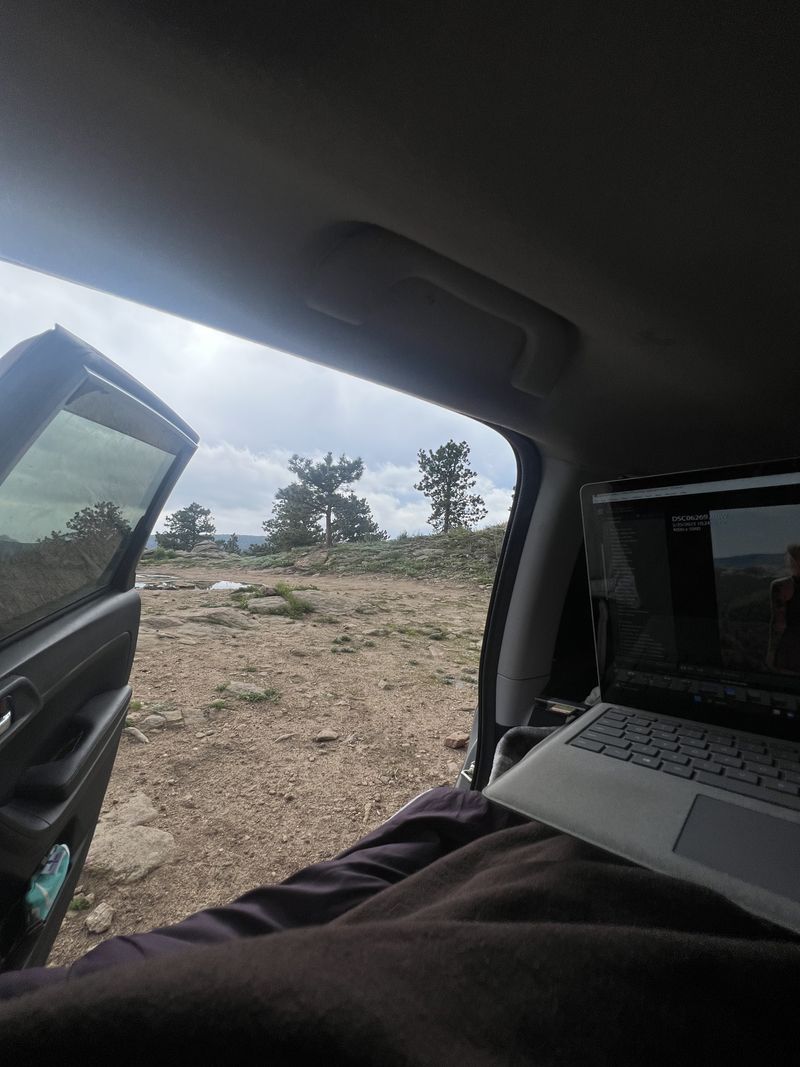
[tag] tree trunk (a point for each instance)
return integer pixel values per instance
(328, 530)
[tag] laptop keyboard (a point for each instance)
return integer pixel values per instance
(764, 768)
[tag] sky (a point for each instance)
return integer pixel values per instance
(253, 407)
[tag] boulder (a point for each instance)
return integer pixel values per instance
(124, 847)
(207, 548)
(326, 735)
(266, 605)
(456, 741)
(128, 853)
(137, 810)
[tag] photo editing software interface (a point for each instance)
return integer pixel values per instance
(696, 592)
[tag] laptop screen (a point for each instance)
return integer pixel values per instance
(695, 584)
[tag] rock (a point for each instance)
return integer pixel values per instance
(243, 689)
(137, 810)
(266, 605)
(99, 920)
(128, 853)
(153, 722)
(379, 631)
(453, 768)
(262, 590)
(383, 684)
(188, 802)
(456, 741)
(135, 735)
(284, 737)
(226, 617)
(172, 717)
(160, 622)
(207, 547)
(326, 735)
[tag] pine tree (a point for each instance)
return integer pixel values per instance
(353, 520)
(446, 480)
(317, 498)
(185, 527)
(102, 522)
(294, 520)
(232, 545)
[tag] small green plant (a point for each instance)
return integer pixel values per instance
(293, 606)
(218, 705)
(329, 620)
(342, 639)
(221, 687)
(135, 705)
(369, 644)
(239, 599)
(413, 663)
(260, 696)
(343, 651)
(249, 668)
(79, 903)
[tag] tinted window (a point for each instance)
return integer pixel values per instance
(70, 505)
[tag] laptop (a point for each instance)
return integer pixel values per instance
(690, 762)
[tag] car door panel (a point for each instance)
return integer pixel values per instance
(90, 453)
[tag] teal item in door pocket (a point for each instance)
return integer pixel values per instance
(45, 884)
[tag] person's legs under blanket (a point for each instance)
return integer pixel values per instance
(430, 826)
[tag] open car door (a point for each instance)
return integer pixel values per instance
(87, 460)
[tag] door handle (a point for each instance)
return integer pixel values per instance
(5, 722)
(56, 780)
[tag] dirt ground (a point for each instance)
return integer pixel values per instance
(389, 665)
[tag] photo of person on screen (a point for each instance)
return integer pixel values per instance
(784, 631)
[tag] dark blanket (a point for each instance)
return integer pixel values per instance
(523, 947)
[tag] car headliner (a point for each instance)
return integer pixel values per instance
(631, 167)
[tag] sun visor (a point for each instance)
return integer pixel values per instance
(389, 286)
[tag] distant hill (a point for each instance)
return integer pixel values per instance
(245, 540)
(773, 561)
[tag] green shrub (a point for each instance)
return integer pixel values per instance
(260, 696)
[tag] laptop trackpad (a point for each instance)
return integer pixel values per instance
(746, 844)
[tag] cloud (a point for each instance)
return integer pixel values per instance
(253, 407)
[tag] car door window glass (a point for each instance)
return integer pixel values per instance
(68, 509)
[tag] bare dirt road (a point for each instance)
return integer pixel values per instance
(236, 773)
